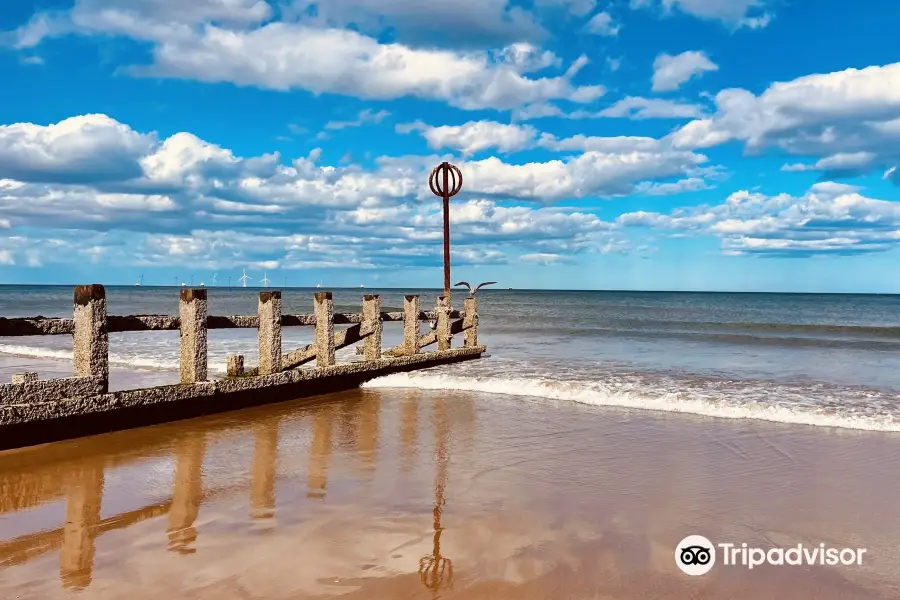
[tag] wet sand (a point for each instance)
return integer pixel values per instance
(396, 494)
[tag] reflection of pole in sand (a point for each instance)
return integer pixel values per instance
(187, 494)
(76, 558)
(409, 427)
(262, 476)
(367, 432)
(320, 452)
(436, 571)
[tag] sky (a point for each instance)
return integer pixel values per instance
(724, 145)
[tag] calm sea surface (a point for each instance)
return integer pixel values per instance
(825, 360)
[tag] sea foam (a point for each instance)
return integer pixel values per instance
(595, 394)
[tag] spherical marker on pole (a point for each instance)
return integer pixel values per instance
(446, 181)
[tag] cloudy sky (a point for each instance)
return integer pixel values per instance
(605, 144)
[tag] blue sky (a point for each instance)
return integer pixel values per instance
(745, 145)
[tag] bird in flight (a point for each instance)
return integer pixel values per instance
(477, 287)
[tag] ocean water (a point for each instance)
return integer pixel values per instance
(818, 360)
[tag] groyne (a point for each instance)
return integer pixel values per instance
(34, 411)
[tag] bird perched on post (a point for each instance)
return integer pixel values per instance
(478, 287)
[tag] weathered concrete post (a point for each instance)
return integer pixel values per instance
(411, 324)
(193, 312)
(324, 310)
(442, 330)
(235, 365)
(371, 321)
(269, 332)
(470, 322)
(91, 339)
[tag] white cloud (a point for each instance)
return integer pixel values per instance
(830, 218)
(425, 22)
(544, 258)
(283, 56)
(852, 163)
(633, 107)
(475, 136)
(363, 117)
(182, 200)
(527, 58)
(578, 8)
(849, 118)
(602, 24)
(235, 41)
(736, 14)
(670, 72)
(84, 148)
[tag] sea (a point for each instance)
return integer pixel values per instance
(806, 359)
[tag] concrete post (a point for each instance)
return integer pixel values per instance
(91, 339)
(470, 322)
(371, 321)
(411, 312)
(269, 332)
(442, 330)
(193, 312)
(324, 310)
(235, 365)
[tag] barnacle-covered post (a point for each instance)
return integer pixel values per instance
(411, 324)
(372, 326)
(91, 337)
(269, 332)
(324, 310)
(193, 312)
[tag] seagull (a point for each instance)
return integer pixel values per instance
(478, 287)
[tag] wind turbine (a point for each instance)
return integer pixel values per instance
(265, 279)
(244, 279)
(214, 278)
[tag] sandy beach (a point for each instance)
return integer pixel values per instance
(342, 497)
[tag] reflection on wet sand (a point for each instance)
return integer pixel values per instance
(187, 494)
(541, 506)
(82, 519)
(435, 570)
(368, 411)
(320, 452)
(409, 427)
(265, 458)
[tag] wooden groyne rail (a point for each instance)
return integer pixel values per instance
(34, 411)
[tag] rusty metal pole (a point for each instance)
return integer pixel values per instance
(446, 229)
(448, 185)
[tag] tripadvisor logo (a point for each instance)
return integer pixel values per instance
(696, 555)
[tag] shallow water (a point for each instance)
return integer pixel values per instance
(825, 360)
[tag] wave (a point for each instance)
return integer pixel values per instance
(154, 364)
(593, 393)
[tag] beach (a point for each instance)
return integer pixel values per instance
(602, 430)
(337, 498)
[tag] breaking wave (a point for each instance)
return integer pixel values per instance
(596, 394)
